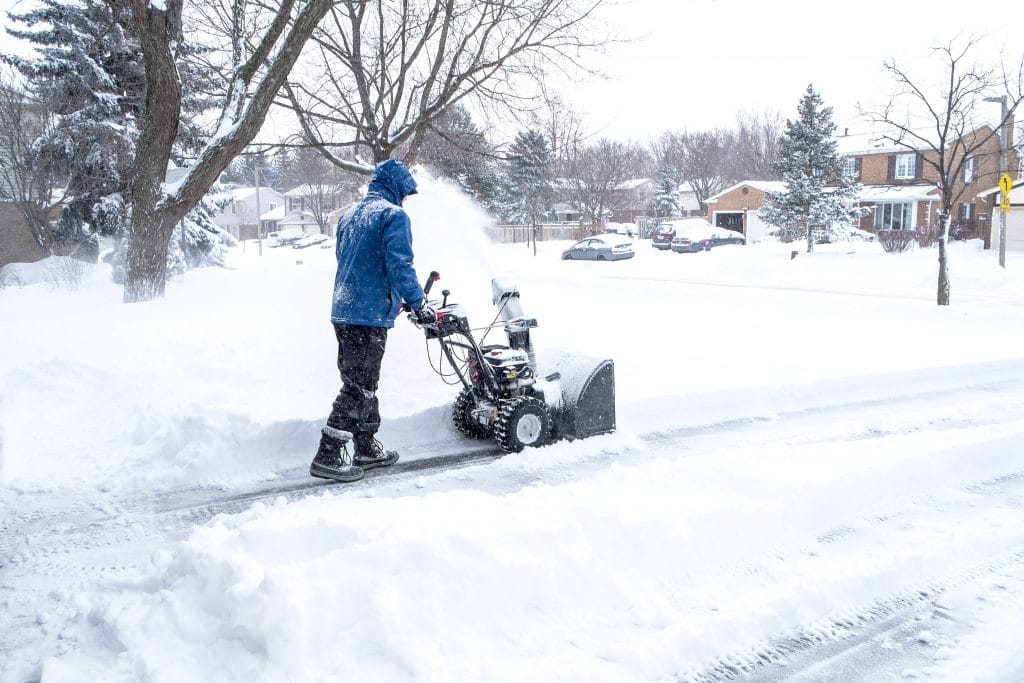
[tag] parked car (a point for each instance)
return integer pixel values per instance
(281, 238)
(700, 238)
(666, 232)
(309, 241)
(662, 237)
(608, 247)
(627, 229)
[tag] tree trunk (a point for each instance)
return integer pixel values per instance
(810, 238)
(149, 231)
(154, 214)
(943, 289)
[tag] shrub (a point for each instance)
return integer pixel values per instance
(928, 235)
(896, 241)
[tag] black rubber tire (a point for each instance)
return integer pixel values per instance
(463, 418)
(522, 421)
(600, 257)
(567, 257)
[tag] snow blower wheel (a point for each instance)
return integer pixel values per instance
(502, 394)
(462, 416)
(522, 421)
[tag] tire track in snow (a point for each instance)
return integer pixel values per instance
(767, 661)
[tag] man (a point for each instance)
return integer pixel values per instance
(375, 276)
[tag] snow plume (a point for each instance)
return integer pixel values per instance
(449, 236)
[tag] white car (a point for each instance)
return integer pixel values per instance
(309, 241)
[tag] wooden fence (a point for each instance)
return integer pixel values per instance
(508, 233)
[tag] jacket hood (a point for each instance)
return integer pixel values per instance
(394, 177)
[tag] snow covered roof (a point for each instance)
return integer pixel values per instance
(876, 193)
(762, 185)
(307, 190)
(633, 183)
(1016, 194)
(241, 193)
(299, 218)
(276, 214)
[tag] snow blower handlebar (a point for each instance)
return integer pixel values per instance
(431, 279)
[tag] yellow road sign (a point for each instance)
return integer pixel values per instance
(1005, 184)
(1004, 205)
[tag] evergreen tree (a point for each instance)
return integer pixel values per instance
(89, 73)
(527, 184)
(666, 192)
(456, 149)
(818, 199)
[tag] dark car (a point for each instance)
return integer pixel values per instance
(662, 237)
(600, 248)
(702, 238)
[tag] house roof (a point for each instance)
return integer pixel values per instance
(633, 183)
(868, 193)
(276, 214)
(873, 142)
(299, 218)
(241, 193)
(1016, 193)
(908, 193)
(762, 185)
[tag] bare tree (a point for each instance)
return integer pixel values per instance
(384, 72)
(701, 158)
(25, 179)
(755, 146)
(260, 62)
(943, 122)
(322, 187)
(594, 175)
(561, 124)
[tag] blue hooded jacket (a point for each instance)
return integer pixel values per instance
(374, 251)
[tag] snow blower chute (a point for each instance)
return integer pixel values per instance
(505, 394)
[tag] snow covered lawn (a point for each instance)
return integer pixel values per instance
(817, 473)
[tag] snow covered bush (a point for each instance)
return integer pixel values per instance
(896, 241)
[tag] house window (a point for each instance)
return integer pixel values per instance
(966, 212)
(850, 167)
(894, 216)
(906, 166)
(970, 169)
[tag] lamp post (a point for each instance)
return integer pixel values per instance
(1002, 169)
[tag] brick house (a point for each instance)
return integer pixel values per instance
(736, 207)
(898, 188)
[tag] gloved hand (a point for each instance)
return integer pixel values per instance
(425, 314)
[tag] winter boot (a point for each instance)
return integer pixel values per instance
(333, 460)
(370, 453)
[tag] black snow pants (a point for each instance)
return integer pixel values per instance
(360, 352)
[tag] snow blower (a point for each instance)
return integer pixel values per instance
(504, 396)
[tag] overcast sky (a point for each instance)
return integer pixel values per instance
(697, 63)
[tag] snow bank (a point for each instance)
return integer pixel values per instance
(599, 560)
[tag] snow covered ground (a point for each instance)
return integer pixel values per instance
(818, 475)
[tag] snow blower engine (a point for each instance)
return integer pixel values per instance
(503, 395)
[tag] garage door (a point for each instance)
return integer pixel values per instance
(1014, 229)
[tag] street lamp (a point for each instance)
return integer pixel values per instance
(1002, 169)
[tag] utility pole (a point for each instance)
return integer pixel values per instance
(1002, 170)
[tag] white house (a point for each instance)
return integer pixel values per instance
(239, 216)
